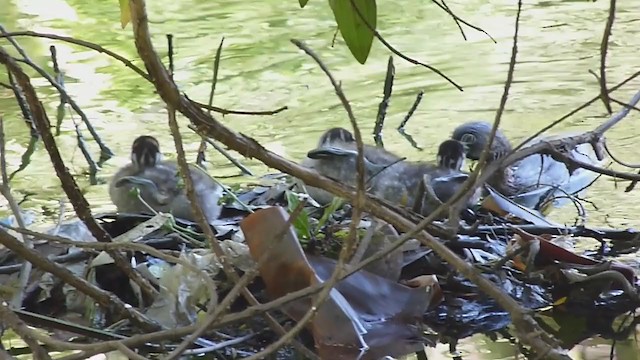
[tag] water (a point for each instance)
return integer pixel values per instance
(261, 70)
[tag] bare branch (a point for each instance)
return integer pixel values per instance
(604, 94)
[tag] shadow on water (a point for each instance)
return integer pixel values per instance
(260, 70)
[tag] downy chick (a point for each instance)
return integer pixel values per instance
(160, 184)
(334, 157)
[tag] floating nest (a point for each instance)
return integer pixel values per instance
(393, 306)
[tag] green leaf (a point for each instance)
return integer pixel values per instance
(125, 13)
(303, 3)
(302, 222)
(354, 30)
(336, 204)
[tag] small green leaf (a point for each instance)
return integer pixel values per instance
(354, 30)
(336, 204)
(303, 3)
(302, 222)
(125, 13)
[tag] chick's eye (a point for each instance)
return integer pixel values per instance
(468, 139)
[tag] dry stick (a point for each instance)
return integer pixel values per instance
(82, 144)
(204, 141)
(60, 80)
(384, 104)
(80, 204)
(105, 152)
(197, 210)
(10, 319)
(604, 45)
(446, 8)
(5, 190)
(239, 112)
(59, 77)
(393, 50)
(249, 147)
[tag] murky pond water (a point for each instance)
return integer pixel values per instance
(262, 70)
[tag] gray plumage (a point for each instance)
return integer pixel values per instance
(386, 174)
(160, 184)
(536, 174)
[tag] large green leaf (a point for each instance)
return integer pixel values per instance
(354, 30)
(303, 3)
(125, 13)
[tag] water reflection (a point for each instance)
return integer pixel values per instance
(261, 69)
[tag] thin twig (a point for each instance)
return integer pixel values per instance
(446, 8)
(472, 182)
(239, 112)
(624, 104)
(393, 50)
(170, 52)
(203, 143)
(82, 144)
(350, 245)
